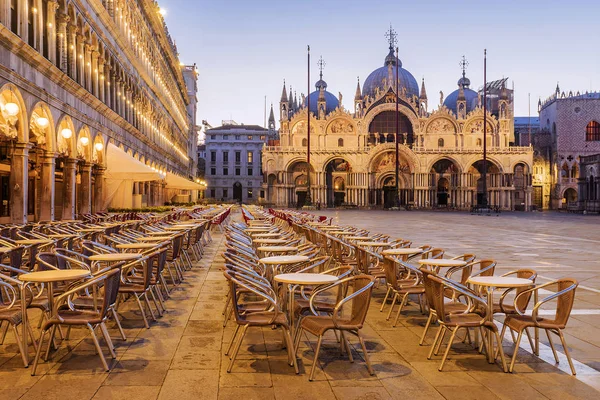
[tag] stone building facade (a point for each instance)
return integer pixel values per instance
(589, 184)
(76, 77)
(571, 122)
(233, 160)
(352, 152)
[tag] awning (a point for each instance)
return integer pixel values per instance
(122, 166)
(178, 182)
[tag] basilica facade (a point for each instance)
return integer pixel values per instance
(353, 156)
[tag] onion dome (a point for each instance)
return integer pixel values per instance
(406, 80)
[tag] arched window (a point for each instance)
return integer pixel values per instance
(340, 142)
(304, 142)
(440, 142)
(478, 142)
(592, 131)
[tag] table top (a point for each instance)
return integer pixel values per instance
(359, 238)
(283, 260)
(277, 249)
(62, 235)
(442, 262)
(330, 228)
(253, 229)
(55, 275)
(115, 257)
(136, 246)
(305, 278)
(267, 235)
(403, 251)
(500, 281)
(32, 241)
(153, 233)
(375, 244)
(177, 228)
(154, 239)
(90, 229)
(270, 241)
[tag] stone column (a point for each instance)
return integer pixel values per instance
(85, 198)
(72, 50)
(95, 73)
(99, 190)
(80, 60)
(101, 80)
(62, 61)
(51, 26)
(47, 189)
(87, 67)
(69, 185)
(22, 20)
(18, 182)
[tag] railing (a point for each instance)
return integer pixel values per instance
(443, 150)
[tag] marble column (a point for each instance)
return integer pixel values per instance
(62, 62)
(80, 61)
(51, 26)
(47, 187)
(95, 73)
(99, 190)
(69, 185)
(85, 198)
(18, 182)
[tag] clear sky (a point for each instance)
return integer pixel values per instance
(244, 49)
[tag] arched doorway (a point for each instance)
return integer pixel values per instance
(442, 192)
(389, 192)
(297, 178)
(444, 178)
(520, 184)
(301, 188)
(383, 128)
(336, 173)
(237, 192)
(475, 172)
(569, 197)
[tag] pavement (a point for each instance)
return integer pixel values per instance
(181, 355)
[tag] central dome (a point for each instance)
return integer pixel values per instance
(376, 78)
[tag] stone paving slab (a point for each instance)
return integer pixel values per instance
(181, 355)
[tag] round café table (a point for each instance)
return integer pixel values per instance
(154, 233)
(269, 241)
(266, 235)
(491, 283)
(258, 230)
(438, 263)
(276, 262)
(294, 280)
(359, 238)
(154, 239)
(403, 252)
(135, 246)
(47, 277)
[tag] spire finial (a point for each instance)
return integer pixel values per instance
(463, 65)
(392, 37)
(321, 63)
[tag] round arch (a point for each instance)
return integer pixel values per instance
(99, 150)
(403, 151)
(449, 158)
(65, 136)
(84, 143)
(11, 94)
(41, 124)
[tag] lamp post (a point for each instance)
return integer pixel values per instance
(308, 200)
(397, 188)
(484, 202)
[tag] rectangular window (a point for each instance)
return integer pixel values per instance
(249, 171)
(212, 193)
(237, 171)
(213, 137)
(262, 194)
(225, 137)
(250, 157)
(263, 137)
(249, 193)
(237, 137)
(225, 171)
(213, 171)
(225, 156)
(225, 193)
(213, 156)
(249, 137)
(238, 156)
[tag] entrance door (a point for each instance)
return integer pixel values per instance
(300, 198)
(537, 197)
(237, 192)
(389, 197)
(338, 198)
(442, 192)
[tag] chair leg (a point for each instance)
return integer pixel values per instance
(387, 294)
(98, 348)
(346, 344)
(530, 340)
(426, 328)
(237, 329)
(564, 344)
(116, 318)
(402, 303)
(312, 370)
(158, 309)
(514, 356)
(392, 307)
(364, 349)
(38, 352)
(32, 336)
(148, 304)
(50, 342)
(552, 346)
(237, 348)
(297, 338)
(501, 350)
(448, 348)
(108, 340)
(4, 331)
(441, 341)
(22, 349)
(435, 341)
(291, 352)
(141, 307)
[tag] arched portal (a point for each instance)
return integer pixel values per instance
(297, 176)
(492, 180)
(389, 192)
(520, 178)
(237, 192)
(570, 196)
(444, 179)
(336, 176)
(383, 128)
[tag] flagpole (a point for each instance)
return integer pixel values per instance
(308, 200)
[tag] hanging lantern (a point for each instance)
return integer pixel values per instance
(66, 133)
(84, 140)
(12, 109)
(99, 146)
(42, 122)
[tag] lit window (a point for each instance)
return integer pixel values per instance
(249, 193)
(250, 157)
(249, 137)
(592, 131)
(263, 137)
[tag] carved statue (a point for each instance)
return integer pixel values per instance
(303, 99)
(340, 97)
(441, 97)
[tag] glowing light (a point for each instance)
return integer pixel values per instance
(12, 109)
(162, 11)
(66, 133)
(99, 146)
(84, 140)
(42, 122)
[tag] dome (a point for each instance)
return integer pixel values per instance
(471, 97)
(406, 81)
(331, 102)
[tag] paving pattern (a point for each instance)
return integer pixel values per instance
(181, 355)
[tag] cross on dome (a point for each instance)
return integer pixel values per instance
(392, 37)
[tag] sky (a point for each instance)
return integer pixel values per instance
(244, 49)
